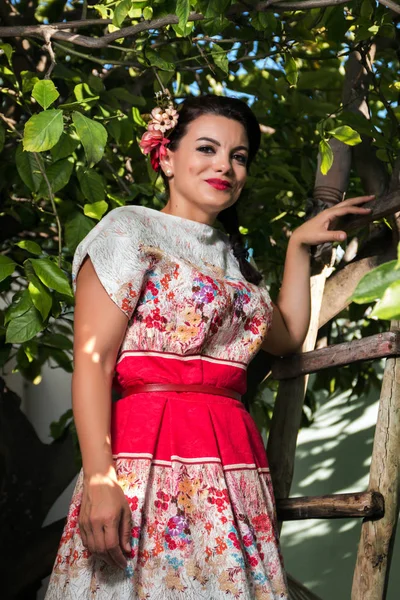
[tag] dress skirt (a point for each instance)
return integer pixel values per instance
(194, 470)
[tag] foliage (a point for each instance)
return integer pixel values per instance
(382, 284)
(69, 131)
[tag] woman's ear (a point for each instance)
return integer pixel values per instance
(167, 163)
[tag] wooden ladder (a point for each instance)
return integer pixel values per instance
(378, 506)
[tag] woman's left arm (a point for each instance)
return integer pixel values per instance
(292, 309)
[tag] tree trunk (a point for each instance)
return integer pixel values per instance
(377, 537)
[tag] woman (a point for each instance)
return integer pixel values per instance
(175, 499)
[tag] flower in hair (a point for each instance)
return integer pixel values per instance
(163, 117)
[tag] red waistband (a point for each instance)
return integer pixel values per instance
(180, 387)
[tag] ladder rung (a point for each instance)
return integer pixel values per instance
(335, 506)
(375, 346)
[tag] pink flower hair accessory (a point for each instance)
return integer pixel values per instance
(163, 117)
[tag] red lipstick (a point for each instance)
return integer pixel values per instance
(219, 184)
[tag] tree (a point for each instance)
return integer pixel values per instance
(322, 76)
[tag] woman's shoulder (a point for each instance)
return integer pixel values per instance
(119, 223)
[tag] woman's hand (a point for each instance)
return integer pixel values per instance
(321, 228)
(105, 519)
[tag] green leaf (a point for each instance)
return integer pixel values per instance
(137, 117)
(213, 26)
(64, 147)
(28, 169)
(8, 50)
(92, 185)
(45, 92)
(326, 156)
(220, 58)
(42, 131)
(2, 137)
(51, 275)
(374, 29)
(114, 128)
(373, 285)
(156, 61)
(58, 174)
(292, 73)
(24, 327)
(92, 135)
(389, 306)
(182, 12)
(28, 79)
(147, 13)
(83, 93)
(120, 12)
(30, 349)
(126, 96)
(41, 297)
(22, 302)
(382, 155)
(76, 228)
(283, 171)
(56, 340)
(7, 267)
(95, 210)
(184, 31)
(346, 134)
(357, 122)
(212, 8)
(84, 104)
(30, 246)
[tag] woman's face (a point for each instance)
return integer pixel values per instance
(208, 169)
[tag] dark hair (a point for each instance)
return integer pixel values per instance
(232, 108)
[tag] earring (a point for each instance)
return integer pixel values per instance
(168, 171)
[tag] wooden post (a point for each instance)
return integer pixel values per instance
(371, 574)
(286, 419)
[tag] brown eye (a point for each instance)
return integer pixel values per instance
(205, 148)
(242, 158)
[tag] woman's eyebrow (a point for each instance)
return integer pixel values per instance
(218, 144)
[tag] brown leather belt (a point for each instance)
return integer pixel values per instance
(180, 387)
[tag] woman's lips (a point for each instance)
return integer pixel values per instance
(218, 185)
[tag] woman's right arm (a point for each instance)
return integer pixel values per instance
(99, 329)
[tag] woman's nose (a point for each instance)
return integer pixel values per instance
(222, 165)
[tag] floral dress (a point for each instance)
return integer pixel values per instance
(192, 465)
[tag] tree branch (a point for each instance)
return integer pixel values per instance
(390, 4)
(38, 31)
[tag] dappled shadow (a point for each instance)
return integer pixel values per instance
(333, 456)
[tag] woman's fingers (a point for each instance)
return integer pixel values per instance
(357, 200)
(112, 546)
(125, 529)
(343, 210)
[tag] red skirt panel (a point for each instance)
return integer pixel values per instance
(185, 426)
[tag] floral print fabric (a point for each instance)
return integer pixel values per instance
(178, 283)
(198, 533)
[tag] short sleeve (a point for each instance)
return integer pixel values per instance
(117, 253)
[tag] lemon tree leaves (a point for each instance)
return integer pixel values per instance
(7, 267)
(345, 134)
(383, 284)
(326, 156)
(42, 131)
(92, 135)
(45, 93)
